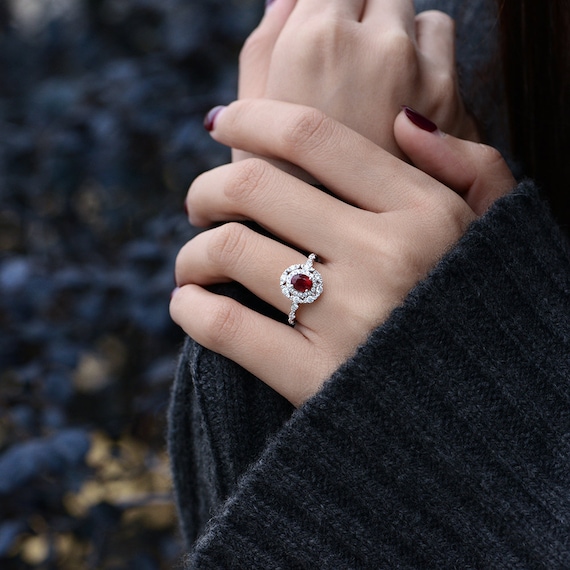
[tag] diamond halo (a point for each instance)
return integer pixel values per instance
(305, 289)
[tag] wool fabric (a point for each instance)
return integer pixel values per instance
(443, 443)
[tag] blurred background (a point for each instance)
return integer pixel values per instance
(101, 107)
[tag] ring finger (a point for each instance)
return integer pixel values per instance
(234, 252)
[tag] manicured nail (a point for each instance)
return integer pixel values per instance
(419, 120)
(210, 118)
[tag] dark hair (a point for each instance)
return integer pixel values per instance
(536, 59)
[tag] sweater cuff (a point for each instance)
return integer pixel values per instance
(444, 441)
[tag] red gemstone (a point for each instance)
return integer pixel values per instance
(301, 283)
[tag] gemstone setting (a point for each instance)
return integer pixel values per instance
(301, 283)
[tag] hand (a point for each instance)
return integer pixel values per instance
(358, 61)
(395, 221)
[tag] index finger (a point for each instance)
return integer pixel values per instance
(348, 164)
(255, 55)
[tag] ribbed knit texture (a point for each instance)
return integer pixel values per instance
(220, 419)
(445, 441)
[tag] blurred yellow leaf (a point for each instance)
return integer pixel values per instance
(35, 549)
(92, 373)
(90, 494)
(125, 475)
(100, 449)
(157, 516)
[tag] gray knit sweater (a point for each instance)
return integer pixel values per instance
(443, 443)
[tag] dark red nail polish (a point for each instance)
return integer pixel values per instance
(210, 118)
(419, 120)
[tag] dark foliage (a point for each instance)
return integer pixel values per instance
(101, 105)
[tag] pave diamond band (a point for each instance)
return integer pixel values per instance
(301, 283)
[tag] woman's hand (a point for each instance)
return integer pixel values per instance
(388, 226)
(357, 61)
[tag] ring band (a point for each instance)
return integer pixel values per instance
(301, 283)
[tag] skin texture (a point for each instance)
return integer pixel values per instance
(357, 61)
(351, 67)
(395, 221)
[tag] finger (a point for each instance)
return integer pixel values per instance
(344, 9)
(435, 35)
(225, 326)
(476, 171)
(295, 212)
(255, 55)
(390, 15)
(323, 147)
(234, 252)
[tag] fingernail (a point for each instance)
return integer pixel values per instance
(210, 118)
(268, 3)
(174, 291)
(419, 120)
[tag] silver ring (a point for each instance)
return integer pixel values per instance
(301, 283)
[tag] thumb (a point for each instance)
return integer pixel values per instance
(476, 171)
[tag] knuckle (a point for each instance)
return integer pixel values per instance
(445, 22)
(226, 245)
(440, 21)
(453, 214)
(175, 310)
(444, 209)
(325, 35)
(179, 264)
(446, 85)
(254, 47)
(490, 156)
(221, 323)
(192, 200)
(315, 44)
(249, 176)
(308, 130)
(443, 90)
(399, 49)
(402, 261)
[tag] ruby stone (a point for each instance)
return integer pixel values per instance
(301, 283)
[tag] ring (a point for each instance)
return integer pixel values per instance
(301, 283)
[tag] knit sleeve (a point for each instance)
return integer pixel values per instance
(220, 419)
(445, 441)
